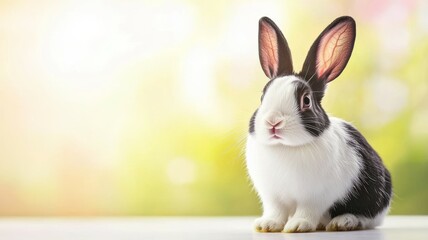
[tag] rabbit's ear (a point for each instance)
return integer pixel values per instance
(274, 53)
(331, 51)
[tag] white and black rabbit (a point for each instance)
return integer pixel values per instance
(311, 171)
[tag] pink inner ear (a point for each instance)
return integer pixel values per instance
(334, 51)
(268, 50)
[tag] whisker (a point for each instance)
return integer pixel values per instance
(307, 70)
(310, 79)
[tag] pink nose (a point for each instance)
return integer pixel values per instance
(277, 122)
(275, 126)
(274, 121)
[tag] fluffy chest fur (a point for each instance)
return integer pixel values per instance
(324, 168)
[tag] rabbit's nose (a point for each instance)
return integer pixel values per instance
(275, 121)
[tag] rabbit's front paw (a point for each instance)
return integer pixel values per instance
(299, 225)
(268, 224)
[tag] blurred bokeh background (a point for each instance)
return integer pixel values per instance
(142, 107)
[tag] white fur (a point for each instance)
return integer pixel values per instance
(298, 177)
(279, 104)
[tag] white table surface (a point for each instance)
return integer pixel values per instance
(201, 228)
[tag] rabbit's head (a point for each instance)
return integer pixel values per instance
(290, 112)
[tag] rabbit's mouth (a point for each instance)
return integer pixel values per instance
(275, 136)
(275, 132)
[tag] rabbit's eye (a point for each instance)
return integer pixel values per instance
(305, 101)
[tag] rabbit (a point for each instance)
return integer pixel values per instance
(311, 171)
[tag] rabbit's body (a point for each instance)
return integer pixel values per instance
(310, 170)
(319, 172)
(324, 173)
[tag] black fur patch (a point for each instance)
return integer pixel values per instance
(318, 86)
(314, 119)
(252, 121)
(371, 194)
